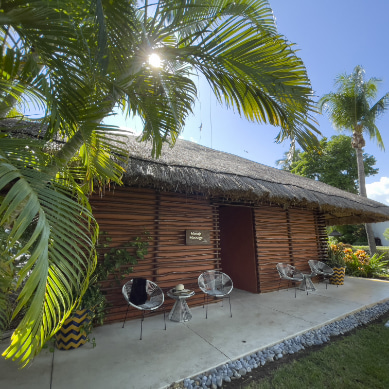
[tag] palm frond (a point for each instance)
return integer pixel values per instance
(61, 246)
(6, 279)
(248, 66)
(381, 106)
(350, 107)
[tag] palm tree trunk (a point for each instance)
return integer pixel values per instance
(370, 239)
(362, 192)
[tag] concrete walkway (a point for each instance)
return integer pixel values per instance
(121, 360)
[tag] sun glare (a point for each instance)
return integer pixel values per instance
(155, 60)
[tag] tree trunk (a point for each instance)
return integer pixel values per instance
(370, 239)
(362, 192)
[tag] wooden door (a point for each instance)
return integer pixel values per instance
(238, 257)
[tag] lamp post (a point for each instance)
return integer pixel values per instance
(335, 233)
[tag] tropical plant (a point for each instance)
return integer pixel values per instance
(289, 157)
(386, 234)
(351, 108)
(353, 234)
(335, 255)
(115, 265)
(377, 265)
(334, 164)
(77, 60)
(9, 268)
(360, 264)
(356, 262)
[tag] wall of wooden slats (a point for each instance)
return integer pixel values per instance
(126, 213)
(321, 233)
(273, 245)
(303, 239)
(291, 236)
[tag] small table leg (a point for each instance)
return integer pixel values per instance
(307, 284)
(180, 311)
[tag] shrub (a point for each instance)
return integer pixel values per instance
(356, 262)
(380, 250)
(377, 264)
(360, 264)
(384, 251)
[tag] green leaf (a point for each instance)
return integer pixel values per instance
(62, 239)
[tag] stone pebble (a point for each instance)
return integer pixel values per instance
(236, 369)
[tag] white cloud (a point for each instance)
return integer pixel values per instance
(379, 190)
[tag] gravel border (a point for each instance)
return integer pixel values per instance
(235, 369)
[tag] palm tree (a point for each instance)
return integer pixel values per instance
(80, 59)
(351, 108)
(288, 158)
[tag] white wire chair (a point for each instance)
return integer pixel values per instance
(217, 284)
(321, 269)
(154, 299)
(289, 273)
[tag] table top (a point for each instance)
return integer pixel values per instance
(309, 275)
(180, 294)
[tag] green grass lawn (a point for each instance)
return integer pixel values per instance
(359, 360)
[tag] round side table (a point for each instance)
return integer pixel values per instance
(307, 284)
(180, 311)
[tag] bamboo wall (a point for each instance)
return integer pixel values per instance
(292, 236)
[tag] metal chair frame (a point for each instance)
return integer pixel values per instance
(155, 300)
(321, 269)
(289, 273)
(216, 284)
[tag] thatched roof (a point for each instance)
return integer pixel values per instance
(22, 129)
(194, 169)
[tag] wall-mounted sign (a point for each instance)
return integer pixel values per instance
(197, 237)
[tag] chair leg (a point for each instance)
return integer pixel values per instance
(164, 318)
(295, 288)
(128, 306)
(141, 324)
(229, 300)
(206, 308)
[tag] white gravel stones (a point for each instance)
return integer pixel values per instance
(236, 369)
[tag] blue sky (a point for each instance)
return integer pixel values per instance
(331, 37)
